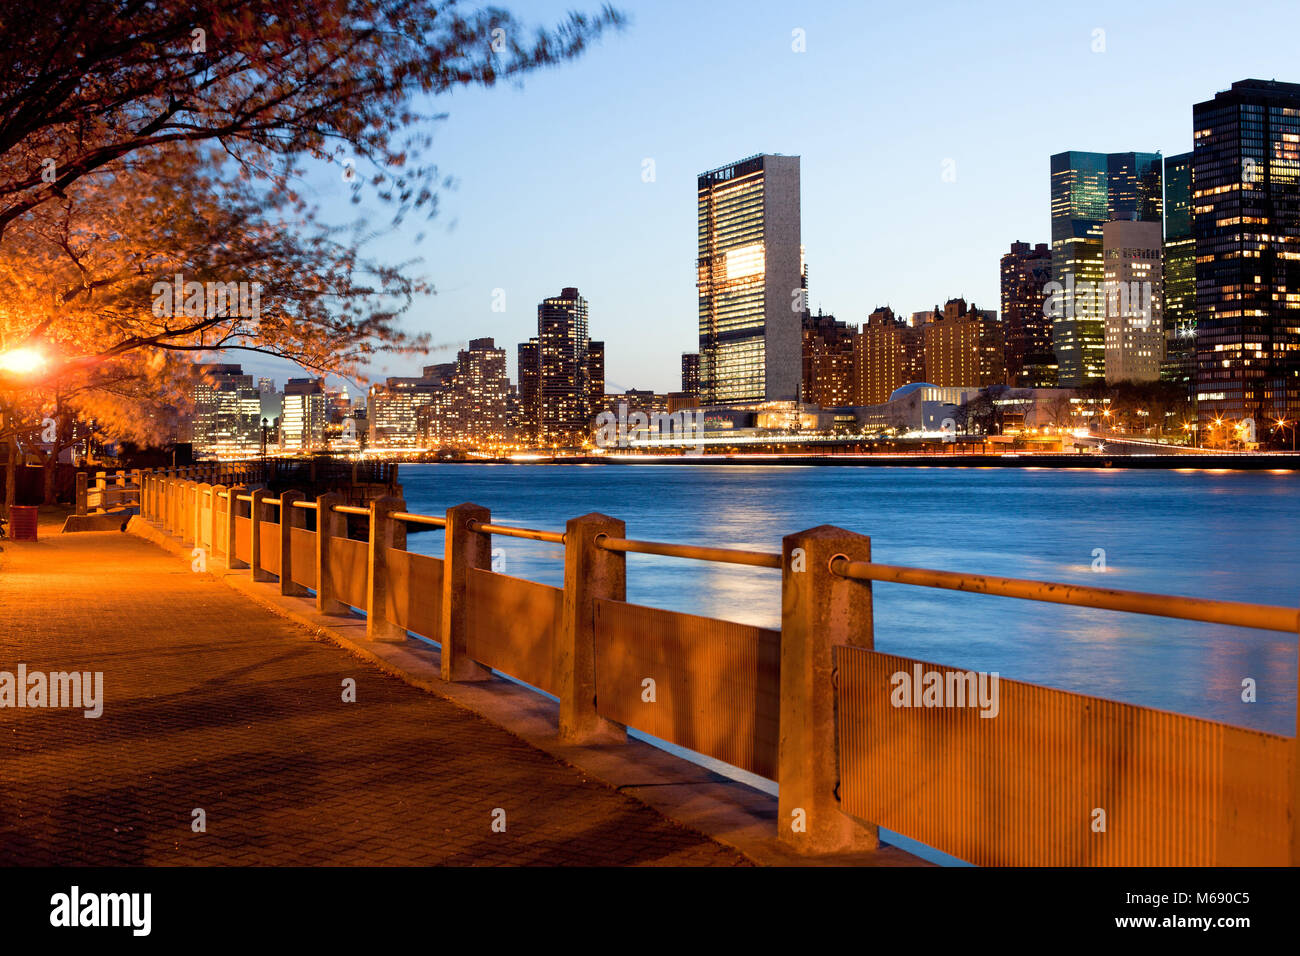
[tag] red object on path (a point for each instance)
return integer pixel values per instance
(22, 523)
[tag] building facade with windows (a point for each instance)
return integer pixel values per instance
(1246, 221)
(750, 281)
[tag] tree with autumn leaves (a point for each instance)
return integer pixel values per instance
(141, 141)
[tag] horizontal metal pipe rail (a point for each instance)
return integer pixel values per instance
(532, 534)
(758, 559)
(417, 519)
(1260, 616)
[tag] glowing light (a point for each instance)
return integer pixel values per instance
(22, 361)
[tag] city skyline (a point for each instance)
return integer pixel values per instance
(872, 188)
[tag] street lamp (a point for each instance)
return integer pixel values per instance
(1283, 423)
(22, 361)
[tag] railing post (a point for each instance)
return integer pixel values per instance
(329, 524)
(216, 529)
(590, 572)
(290, 518)
(137, 479)
(464, 549)
(255, 511)
(201, 495)
(819, 610)
(233, 561)
(186, 530)
(81, 493)
(101, 486)
(385, 533)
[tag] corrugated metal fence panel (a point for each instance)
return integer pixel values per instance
(514, 625)
(1022, 788)
(243, 539)
(349, 567)
(303, 545)
(717, 683)
(414, 594)
(270, 533)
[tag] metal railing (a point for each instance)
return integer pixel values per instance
(811, 705)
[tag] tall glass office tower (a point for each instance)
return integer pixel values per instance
(1179, 273)
(750, 281)
(1089, 189)
(1246, 219)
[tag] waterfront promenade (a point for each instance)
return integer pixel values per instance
(213, 703)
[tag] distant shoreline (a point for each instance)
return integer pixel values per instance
(1287, 461)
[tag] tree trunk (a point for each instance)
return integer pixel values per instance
(51, 475)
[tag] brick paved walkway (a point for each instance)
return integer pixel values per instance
(212, 702)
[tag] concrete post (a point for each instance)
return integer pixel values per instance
(232, 512)
(201, 496)
(328, 525)
(216, 526)
(186, 529)
(256, 513)
(81, 492)
(464, 549)
(385, 533)
(290, 518)
(589, 573)
(819, 610)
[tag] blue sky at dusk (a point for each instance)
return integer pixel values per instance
(549, 190)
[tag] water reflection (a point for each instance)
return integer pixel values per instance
(1229, 536)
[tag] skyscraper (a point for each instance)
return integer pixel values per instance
(529, 371)
(1179, 274)
(1134, 315)
(560, 371)
(829, 358)
(227, 412)
(691, 373)
(302, 416)
(751, 281)
(1026, 271)
(1246, 219)
(881, 364)
(1089, 189)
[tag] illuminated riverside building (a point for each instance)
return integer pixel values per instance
(561, 373)
(964, 347)
(1026, 271)
(1179, 274)
(829, 359)
(1246, 219)
(750, 281)
(526, 422)
(227, 413)
(1088, 190)
(302, 415)
(691, 373)
(479, 390)
(393, 409)
(882, 360)
(1134, 316)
